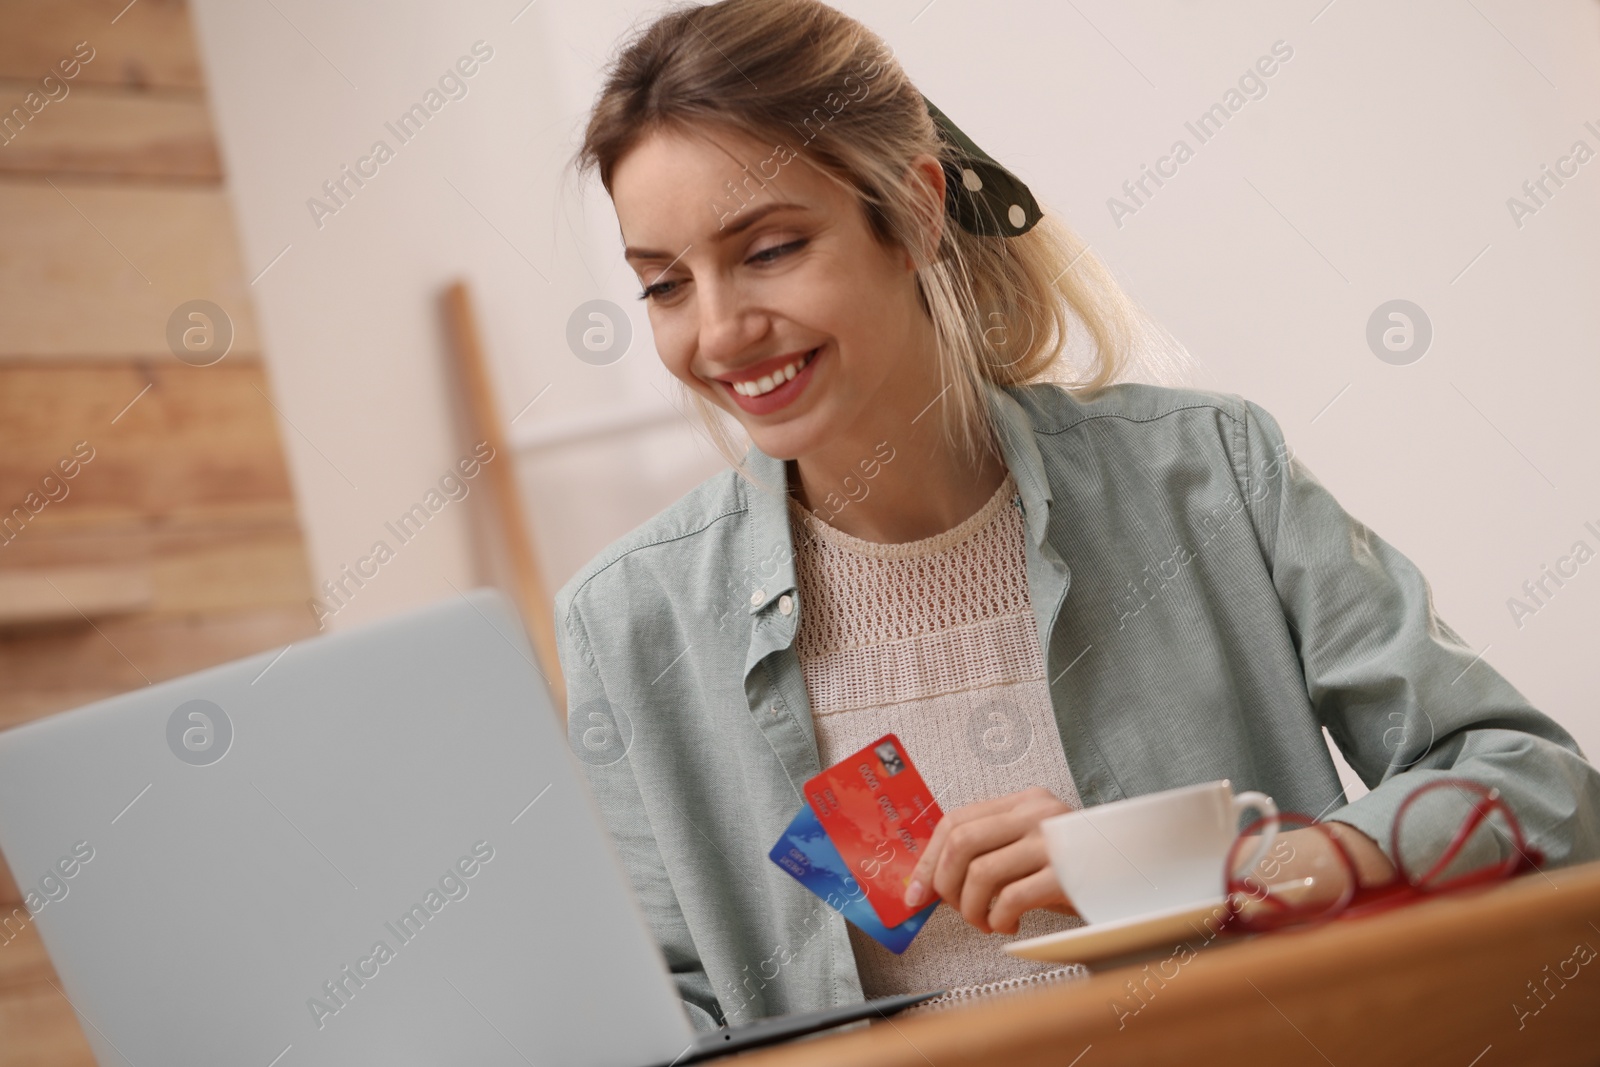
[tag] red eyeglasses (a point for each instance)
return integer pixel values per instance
(1486, 827)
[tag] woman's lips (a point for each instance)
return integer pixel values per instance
(778, 398)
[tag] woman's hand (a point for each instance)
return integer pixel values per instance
(988, 861)
(1306, 852)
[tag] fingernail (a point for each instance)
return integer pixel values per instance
(913, 894)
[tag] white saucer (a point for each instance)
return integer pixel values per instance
(1102, 941)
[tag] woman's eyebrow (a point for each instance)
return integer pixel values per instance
(747, 219)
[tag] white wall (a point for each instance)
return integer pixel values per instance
(1378, 165)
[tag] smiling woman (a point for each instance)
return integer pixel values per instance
(700, 165)
(889, 291)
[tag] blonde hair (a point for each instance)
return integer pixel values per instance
(1004, 310)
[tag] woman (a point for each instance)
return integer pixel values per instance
(896, 551)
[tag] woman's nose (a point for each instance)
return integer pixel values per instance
(726, 325)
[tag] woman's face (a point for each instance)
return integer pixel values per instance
(781, 309)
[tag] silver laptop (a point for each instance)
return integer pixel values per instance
(371, 847)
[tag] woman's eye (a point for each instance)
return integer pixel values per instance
(767, 255)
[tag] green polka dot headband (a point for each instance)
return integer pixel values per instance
(982, 196)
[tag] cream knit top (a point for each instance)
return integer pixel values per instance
(935, 641)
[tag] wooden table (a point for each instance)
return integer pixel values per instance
(1448, 981)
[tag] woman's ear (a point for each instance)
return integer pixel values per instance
(927, 181)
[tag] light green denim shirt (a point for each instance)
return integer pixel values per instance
(1205, 608)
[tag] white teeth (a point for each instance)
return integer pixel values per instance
(768, 382)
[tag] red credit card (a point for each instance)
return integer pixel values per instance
(879, 815)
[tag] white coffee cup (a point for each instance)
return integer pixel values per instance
(1153, 852)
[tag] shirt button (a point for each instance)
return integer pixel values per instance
(774, 711)
(757, 597)
(786, 604)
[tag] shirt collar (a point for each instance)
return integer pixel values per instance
(1020, 449)
(770, 565)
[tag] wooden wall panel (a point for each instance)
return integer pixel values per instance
(94, 131)
(23, 960)
(112, 213)
(90, 269)
(40, 1028)
(70, 665)
(247, 566)
(189, 482)
(149, 45)
(199, 439)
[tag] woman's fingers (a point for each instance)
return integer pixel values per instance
(923, 876)
(965, 843)
(1037, 890)
(921, 885)
(989, 874)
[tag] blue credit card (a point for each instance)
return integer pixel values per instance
(806, 852)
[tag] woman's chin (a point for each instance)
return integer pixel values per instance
(789, 438)
(781, 443)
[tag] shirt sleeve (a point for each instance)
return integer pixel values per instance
(1403, 696)
(616, 793)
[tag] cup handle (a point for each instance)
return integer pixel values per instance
(1268, 808)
